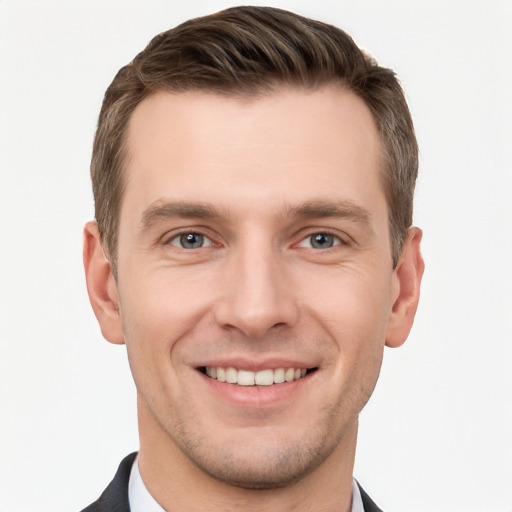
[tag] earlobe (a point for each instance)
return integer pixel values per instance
(101, 285)
(407, 276)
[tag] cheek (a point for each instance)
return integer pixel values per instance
(160, 306)
(163, 309)
(155, 316)
(351, 304)
(354, 311)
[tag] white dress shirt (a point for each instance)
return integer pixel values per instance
(141, 501)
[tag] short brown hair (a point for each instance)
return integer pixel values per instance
(249, 51)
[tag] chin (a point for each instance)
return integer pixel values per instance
(266, 461)
(269, 468)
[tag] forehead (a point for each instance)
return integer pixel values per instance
(298, 143)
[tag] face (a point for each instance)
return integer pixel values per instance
(255, 284)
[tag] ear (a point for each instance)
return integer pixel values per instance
(101, 285)
(407, 279)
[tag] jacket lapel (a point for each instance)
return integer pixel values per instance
(368, 504)
(115, 496)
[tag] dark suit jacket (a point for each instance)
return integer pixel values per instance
(115, 496)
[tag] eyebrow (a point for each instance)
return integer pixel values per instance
(343, 209)
(346, 209)
(159, 211)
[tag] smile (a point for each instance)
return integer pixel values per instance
(261, 378)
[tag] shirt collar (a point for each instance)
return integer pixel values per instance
(138, 496)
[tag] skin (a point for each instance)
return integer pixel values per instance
(256, 178)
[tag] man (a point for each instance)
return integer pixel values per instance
(253, 174)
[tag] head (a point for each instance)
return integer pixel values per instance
(247, 52)
(253, 173)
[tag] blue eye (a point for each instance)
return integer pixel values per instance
(320, 241)
(191, 241)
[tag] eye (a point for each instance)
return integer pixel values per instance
(320, 241)
(190, 241)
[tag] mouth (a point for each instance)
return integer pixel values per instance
(266, 377)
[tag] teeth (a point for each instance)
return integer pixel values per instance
(231, 375)
(245, 378)
(264, 378)
(279, 375)
(261, 378)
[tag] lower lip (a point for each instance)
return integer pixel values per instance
(256, 396)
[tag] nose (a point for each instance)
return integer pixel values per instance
(257, 295)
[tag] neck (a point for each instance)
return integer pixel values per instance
(177, 483)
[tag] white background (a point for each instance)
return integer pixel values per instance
(437, 434)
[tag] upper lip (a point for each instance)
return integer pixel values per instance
(255, 365)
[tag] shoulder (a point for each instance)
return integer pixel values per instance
(115, 497)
